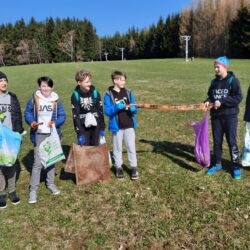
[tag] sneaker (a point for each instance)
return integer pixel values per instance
(214, 169)
(236, 173)
(3, 203)
(32, 198)
(119, 173)
(54, 189)
(134, 174)
(14, 198)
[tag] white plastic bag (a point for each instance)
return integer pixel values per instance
(10, 143)
(103, 141)
(90, 120)
(50, 150)
(245, 158)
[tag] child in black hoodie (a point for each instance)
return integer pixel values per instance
(225, 95)
(87, 110)
(12, 118)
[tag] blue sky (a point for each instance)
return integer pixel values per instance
(107, 16)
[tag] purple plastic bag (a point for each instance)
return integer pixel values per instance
(201, 147)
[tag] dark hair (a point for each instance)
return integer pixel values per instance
(3, 75)
(45, 79)
(118, 74)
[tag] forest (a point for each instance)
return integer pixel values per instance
(216, 27)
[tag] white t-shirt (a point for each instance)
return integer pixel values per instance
(45, 111)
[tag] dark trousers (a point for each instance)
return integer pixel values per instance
(91, 136)
(227, 126)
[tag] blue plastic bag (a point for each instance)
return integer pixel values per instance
(10, 143)
(201, 147)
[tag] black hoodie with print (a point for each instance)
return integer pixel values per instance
(83, 104)
(228, 92)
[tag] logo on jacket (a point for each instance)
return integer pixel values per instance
(125, 99)
(220, 93)
(46, 108)
(5, 108)
(86, 102)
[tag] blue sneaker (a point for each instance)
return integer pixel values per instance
(236, 173)
(214, 169)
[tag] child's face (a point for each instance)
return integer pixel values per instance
(3, 85)
(45, 89)
(220, 71)
(120, 82)
(85, 84)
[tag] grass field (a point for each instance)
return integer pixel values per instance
(174, 204)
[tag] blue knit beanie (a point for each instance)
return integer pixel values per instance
(223, 61)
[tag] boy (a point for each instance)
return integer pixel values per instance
(10, 107)
(122, 122)
(225, 95)
(43, 110)
(87, 110)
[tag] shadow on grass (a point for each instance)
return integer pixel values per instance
(28, 160)
(65, 175)
(180, 153)
(18, 169)
(176, 152)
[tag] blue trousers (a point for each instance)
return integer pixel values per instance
(227, 126)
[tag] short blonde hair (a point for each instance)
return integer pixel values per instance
(82, 75)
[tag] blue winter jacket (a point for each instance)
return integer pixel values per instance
(111, 110)
(30, 115)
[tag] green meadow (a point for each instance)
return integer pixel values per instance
(174, 204)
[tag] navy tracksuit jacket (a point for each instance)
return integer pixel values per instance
(224, 120)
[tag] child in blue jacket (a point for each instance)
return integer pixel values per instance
(122, 122)
(43, 110)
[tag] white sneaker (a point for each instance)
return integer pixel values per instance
(54, 189)
(32, 198)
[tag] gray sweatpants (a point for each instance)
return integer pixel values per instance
(37, 166)
(129, 138)
(7, 179)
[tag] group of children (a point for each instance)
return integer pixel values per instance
(44, 109)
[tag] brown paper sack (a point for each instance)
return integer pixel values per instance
(90, 163)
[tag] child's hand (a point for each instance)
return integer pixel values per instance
(50, 123)
(132, 109)
(34, 125)
(217, 104)
(101, 133)
(207, 105)
(121, 105)
(81, 140)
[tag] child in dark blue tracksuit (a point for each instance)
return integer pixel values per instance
(225, 95)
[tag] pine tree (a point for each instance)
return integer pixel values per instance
(239, 34)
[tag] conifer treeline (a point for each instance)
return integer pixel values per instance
(216, 27)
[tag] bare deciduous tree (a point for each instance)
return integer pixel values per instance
(67, 44)
(2, 53)
(207, 21)
(24, 52)
(35, 49)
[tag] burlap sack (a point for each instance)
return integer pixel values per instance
(91, 163)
